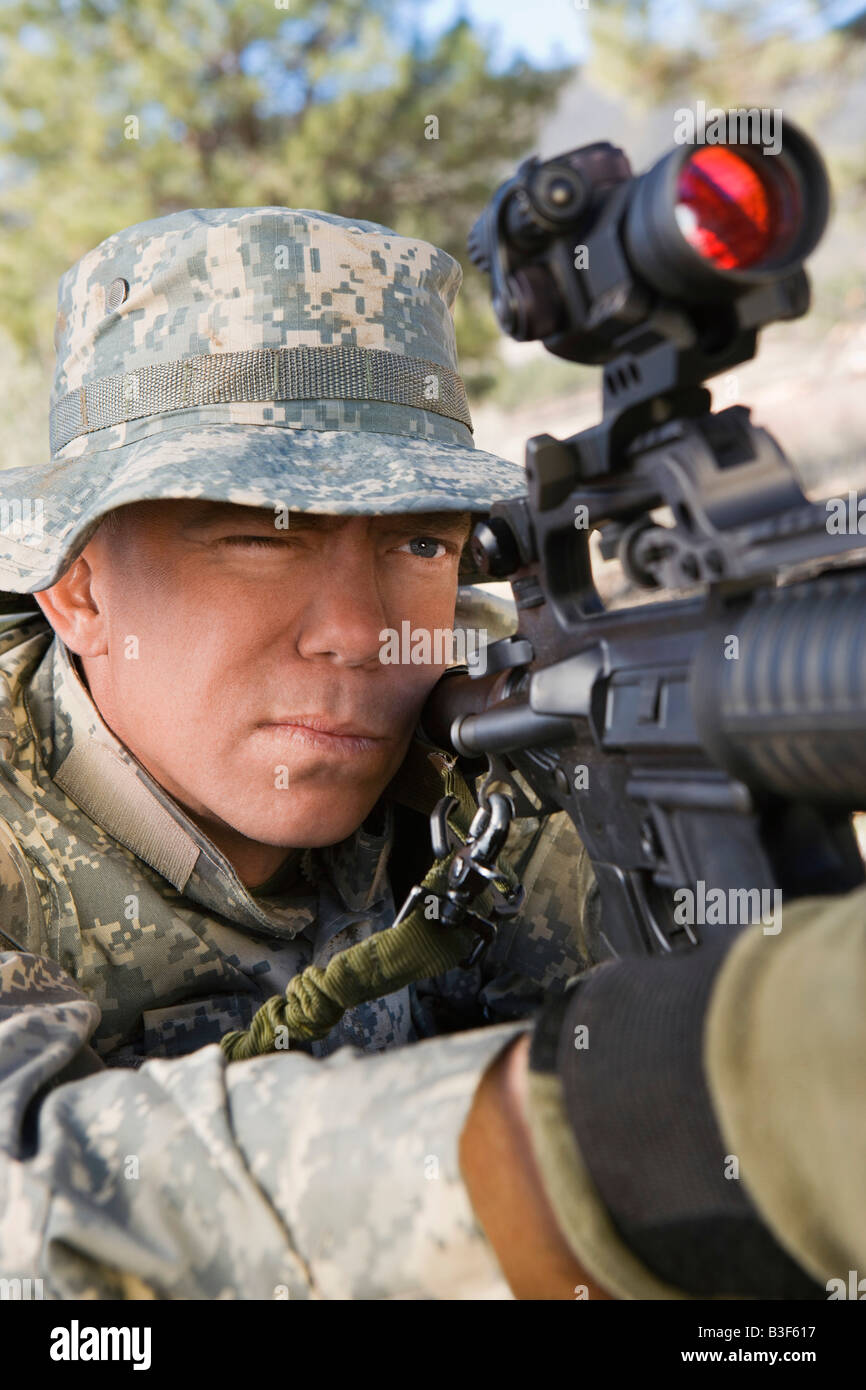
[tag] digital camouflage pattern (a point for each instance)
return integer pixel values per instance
(130, 944)
(193, 1178)
(273, 357)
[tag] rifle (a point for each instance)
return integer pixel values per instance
(709, 746)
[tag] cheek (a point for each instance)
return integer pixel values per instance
(194, 662)
(427, 601)
(435, 616)
(175, 667)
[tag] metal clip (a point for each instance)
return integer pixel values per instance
(474, 868)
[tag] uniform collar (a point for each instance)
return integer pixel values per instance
(101, 776)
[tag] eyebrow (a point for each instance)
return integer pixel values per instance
(313, 521)
(441, 521)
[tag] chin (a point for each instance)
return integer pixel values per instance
(303, 828)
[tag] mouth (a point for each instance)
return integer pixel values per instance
(322, 733)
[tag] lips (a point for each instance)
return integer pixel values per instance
(323, 737)
(322, 726)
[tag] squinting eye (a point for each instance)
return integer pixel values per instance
(250, 540)
(426, 541)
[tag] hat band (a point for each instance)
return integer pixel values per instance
(339, 371)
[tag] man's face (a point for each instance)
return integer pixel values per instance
(216, 639)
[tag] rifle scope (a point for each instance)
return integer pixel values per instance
(595, 261)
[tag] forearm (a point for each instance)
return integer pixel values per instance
(506, 1189)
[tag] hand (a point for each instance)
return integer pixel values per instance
(506, 1190)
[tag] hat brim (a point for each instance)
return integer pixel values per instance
(336, 472)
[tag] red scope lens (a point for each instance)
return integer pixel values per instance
(731, 212)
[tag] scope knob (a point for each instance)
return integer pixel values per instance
(558, 192)
(494, 548)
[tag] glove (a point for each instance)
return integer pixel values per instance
(626, 1137)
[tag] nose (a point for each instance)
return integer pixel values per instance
(345, 611)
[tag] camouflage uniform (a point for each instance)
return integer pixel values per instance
(285, 1176)
(136, 937)
(266, 357)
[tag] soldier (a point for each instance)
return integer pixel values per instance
(213, 789)
(211, 781)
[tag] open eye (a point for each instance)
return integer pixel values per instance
(427, 546)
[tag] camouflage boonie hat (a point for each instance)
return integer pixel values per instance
(273, 357)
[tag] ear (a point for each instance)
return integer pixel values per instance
(72, 610)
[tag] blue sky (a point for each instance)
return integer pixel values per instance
(554, 31)
(547, 31)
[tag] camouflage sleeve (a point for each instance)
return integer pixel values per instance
(785, 1044)
(283, 1177)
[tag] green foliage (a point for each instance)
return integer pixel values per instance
(651, 53)
(116, 111)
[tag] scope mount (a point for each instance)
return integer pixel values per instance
(736, 505)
